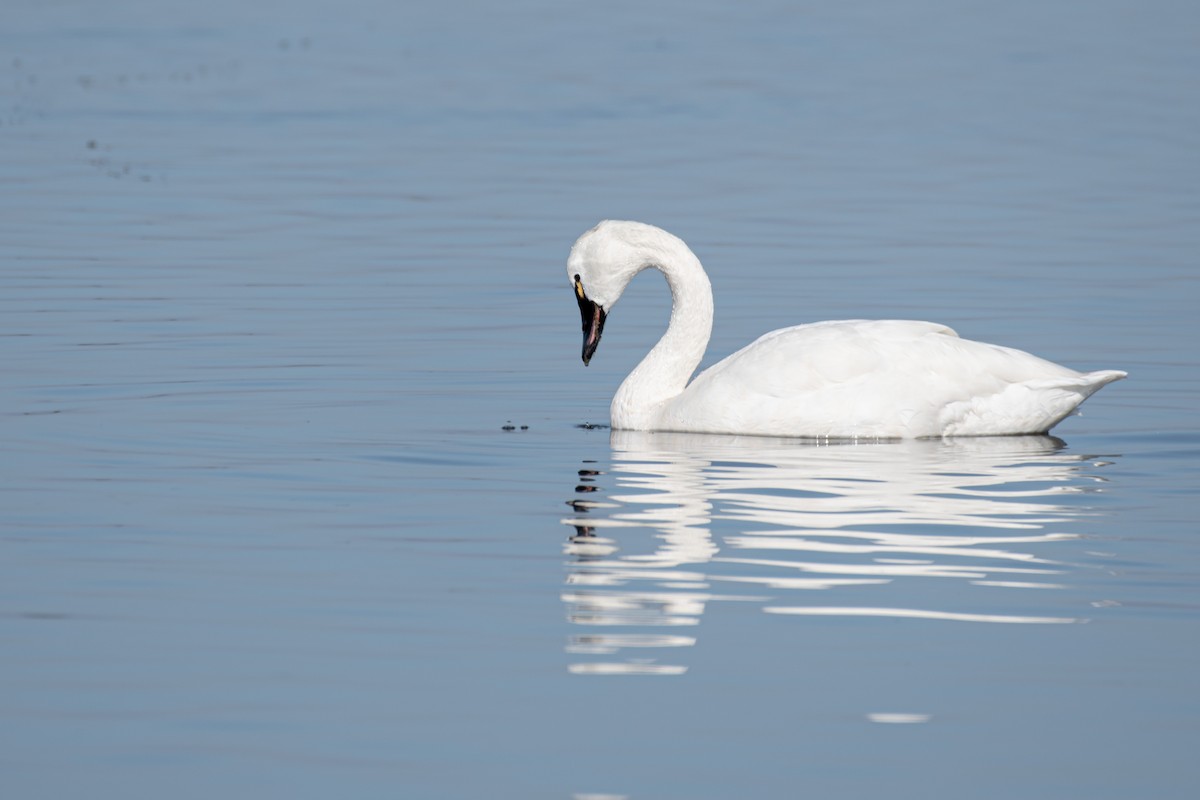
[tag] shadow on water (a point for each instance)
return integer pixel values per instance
(966, 530)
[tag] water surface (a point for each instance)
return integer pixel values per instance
(275, 279)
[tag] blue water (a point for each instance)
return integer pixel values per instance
(275, 279)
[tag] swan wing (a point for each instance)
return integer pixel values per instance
(884, 378)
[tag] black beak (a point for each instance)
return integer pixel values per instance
(593, 317)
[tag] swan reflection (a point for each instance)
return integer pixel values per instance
(844, 530)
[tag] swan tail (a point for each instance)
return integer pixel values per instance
(1104, 377)
(1033, 406)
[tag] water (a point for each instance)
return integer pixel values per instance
(274, 280)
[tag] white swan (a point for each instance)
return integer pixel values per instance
(853, 378)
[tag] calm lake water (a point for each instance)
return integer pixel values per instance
(274, 279)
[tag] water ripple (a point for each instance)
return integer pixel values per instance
(985, 527)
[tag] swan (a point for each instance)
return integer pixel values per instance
(840, 379)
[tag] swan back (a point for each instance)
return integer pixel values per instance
(879, 378)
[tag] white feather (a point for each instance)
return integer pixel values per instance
(851, 378)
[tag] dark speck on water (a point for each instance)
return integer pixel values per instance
(252, 543)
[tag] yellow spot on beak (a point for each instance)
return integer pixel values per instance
(578, 289)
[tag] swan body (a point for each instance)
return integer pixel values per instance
(848, 378)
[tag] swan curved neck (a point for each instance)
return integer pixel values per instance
(664, 373)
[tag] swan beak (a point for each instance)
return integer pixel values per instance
(593, 317)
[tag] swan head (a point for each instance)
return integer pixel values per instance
(602, 263)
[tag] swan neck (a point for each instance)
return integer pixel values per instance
(664, 373)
